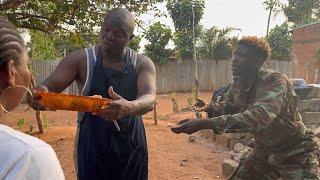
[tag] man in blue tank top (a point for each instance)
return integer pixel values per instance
(111, 70)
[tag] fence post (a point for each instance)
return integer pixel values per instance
(155, 115)
(38, 113)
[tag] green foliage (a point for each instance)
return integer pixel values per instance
(175, 105)
(216, 44)
(54, 46)
(273, 6)
(280, 43)
(158, 35)
(163, 117)
(21, 123)
(135, 43)
(45, 121)
(317, 55)
(80, 15)
(31, 128)
(302, 12)
(42, 46)
(70, 25)
(181, 14)
(190, 100)
(67, 42)
(184, 44)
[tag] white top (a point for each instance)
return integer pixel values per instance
(24, 157)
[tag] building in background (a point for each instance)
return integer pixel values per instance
(305, 43)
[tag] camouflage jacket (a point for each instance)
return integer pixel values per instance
(268, 109)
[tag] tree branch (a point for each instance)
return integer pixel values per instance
(29, 26)
(11, 4)
(25, 16)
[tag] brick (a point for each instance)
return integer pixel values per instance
(303, 53)
(232, 142)
(222, 140)
(310, 118)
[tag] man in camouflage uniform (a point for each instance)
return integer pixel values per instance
(263, 103)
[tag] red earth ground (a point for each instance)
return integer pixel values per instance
(171, 156)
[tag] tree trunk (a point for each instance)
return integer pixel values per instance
(33, 84)
(268, 63)
(38, 113)
(268, 25)
(198, 114)
(155, 115)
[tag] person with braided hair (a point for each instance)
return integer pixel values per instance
(21, 156)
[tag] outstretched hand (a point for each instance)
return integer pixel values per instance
(118, 107)
(188, 126)
(34, 101)
(200, 106)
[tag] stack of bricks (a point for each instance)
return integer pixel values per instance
(310, 112)
(227, 139)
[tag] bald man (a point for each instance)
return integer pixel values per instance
(112, 70)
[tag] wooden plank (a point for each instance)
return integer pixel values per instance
(175, 76)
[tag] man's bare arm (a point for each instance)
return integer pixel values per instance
(65, 73)
(146, 84)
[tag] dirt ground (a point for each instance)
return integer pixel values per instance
(171, 156)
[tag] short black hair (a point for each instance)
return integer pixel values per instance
(259, 45)
(120, 17)
(11, 42)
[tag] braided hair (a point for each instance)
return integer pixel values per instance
(11, 42)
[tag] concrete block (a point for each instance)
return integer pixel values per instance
(309, 118)
(238, 147)
(311, 105)
(239, 156)
(228, 167)
(222, 140)
(236, 135)
(207, 134)
(316, 132)
(314, 93)
(232, 142)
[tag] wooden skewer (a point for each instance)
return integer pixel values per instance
(117, 125)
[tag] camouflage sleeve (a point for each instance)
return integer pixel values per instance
(216, 109)
(220, 104)
(265, 108)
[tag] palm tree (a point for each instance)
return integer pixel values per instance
(273, 6)
(216, 43)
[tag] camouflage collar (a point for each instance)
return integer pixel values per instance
(262, 75)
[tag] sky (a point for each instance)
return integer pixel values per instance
(249, 16)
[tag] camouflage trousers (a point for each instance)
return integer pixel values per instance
(299, 167)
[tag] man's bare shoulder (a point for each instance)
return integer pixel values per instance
(142, 57)
(77, 57)
(73, 67)
(144, 62)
